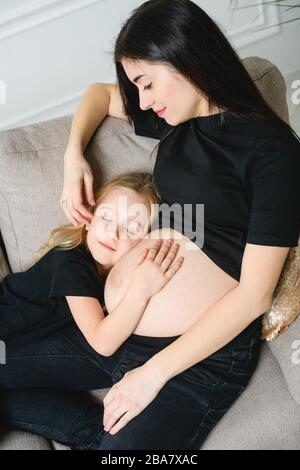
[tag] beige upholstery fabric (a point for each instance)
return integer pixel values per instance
(270, 82)
(31, 167)
(14, 440)
(31, 177)
(286, 349)
(264, 417)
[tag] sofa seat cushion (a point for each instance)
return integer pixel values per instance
(23, 440)
(286, 349)
(264, 417)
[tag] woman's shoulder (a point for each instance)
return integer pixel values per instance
(265, 129)
(279, 140)
(262, 135)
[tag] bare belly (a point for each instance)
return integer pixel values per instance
(197, 285)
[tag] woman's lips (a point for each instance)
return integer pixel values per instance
(107, 247)
(161, 112)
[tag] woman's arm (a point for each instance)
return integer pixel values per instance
(99, 100)
(261, 268)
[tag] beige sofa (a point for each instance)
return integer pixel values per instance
(267, 414)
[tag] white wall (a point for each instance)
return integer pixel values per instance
(50, 50)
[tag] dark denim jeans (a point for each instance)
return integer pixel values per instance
(44, 389)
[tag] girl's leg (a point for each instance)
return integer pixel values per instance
(180, 417)
(71, 417)
(44, 388)
(61, 360)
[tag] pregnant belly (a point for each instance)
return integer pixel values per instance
(197, 285)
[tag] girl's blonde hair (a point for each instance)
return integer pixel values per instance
(68, 236)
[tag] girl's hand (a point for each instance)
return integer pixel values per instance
(77, 174)
(155, 267)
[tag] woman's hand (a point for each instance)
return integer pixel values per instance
(128, 397)
(155, 267)
(77, 173)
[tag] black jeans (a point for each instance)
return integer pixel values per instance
(44, 389)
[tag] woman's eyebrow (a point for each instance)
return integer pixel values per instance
(136, 79)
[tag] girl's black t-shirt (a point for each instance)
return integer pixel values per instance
(33, 303)
(244, 173)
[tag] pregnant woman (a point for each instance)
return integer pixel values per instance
(197, 344)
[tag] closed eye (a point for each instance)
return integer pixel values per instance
(147, 87)
(129, 231)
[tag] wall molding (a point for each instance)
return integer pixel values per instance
(260, 26)
(37, 12)
(294, 109)
(57, 108)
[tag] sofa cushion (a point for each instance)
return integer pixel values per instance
(286, 349)
(31, 177)
(285, 307)
(264, 417)
(23, 440)
(270, 82)
(31, 166)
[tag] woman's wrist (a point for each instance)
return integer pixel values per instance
(73, 150)
(153, 369)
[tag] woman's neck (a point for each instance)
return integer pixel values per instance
(208, 109)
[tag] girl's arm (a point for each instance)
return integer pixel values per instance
(106, 334)
(154, 268)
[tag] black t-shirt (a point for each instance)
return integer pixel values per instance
(245, 173)
(33, 303)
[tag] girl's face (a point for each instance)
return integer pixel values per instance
(119, 223)
(160, 86)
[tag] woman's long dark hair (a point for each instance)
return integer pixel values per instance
(179, 33)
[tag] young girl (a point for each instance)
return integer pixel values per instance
(69, 276)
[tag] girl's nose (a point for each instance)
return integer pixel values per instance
(113, 233)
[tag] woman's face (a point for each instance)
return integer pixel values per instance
(160, 86)
(119, 223)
